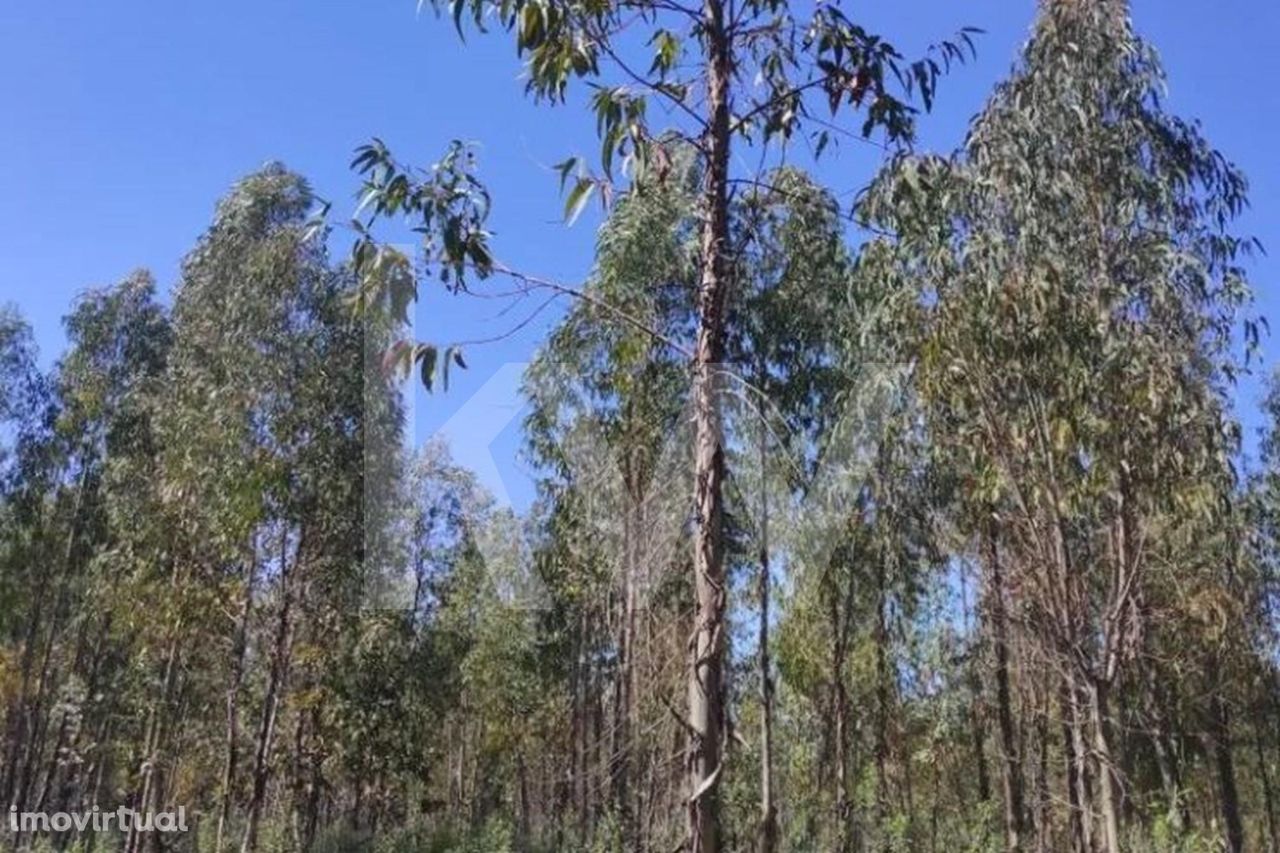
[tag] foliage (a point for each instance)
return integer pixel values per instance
(980, 487)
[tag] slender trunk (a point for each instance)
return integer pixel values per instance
(977, 732)
(1099, 709)
(1268, 795)
(844, 806)
(276, 678)
(1165, 753)
(580, 730)
(882, 702)
(768, 811)
(1011, 760)
(297, 780)
(148, 784)
(624, 686)
(706, 689)
(239, 648)
(1080, 816)
(87, 740)
(599, 761)
(840, 723)
(1043, 810)
(933, 813)
(315, 786)
(523, 824)
(1223, 758)
(51, 771)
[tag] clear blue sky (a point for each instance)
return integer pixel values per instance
(128, 119)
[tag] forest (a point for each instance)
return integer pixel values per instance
(922, 520)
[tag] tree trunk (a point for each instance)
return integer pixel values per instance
(524, 831)
(624, 686)
(882, 701)
(276, 678)
(1099, 709)
(1043, 806)
(238, 650)
(148, 786)
(840, 713)
(1268, 795)
(977, 732)
(1080, 817)
(768, 836)
(1228, 793)
(706, 689)
(1165, 750)
(579, 730)
(1011, 760)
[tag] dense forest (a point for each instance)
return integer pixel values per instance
(921, 523)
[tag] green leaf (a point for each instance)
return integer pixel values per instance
(578, 199)
(397, 359)
(564, 169)
(458, 7)
(427, 355)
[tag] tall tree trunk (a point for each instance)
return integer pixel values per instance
(153, 734)
(882, 701)
(599, 760)
(977, 725)
(1011, 760)
(624, 688)
(706, 689)
(524, 832)
(768, 834)
(1043, 806)
(1225, 762)
(1075, 751)
(239, 647)
(580, 766)
(315, 785)
(278, 674)
(1165, 750)
(838, 617)
(99, 774)
(1108, 794)
(85, 740)
(977, 732)
(1268, 794)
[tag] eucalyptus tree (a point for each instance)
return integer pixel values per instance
(703, 66)
(1249, 682)
(266, 426)
(96, 458)
(109, 382)
(1083, 291)
(25, 397)
(831, 335)
(20, 404)
(605, 419)
(339, 436)
(230, 311)
(617, 386)
(787, 353)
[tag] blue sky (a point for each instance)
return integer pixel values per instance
(127, 120)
